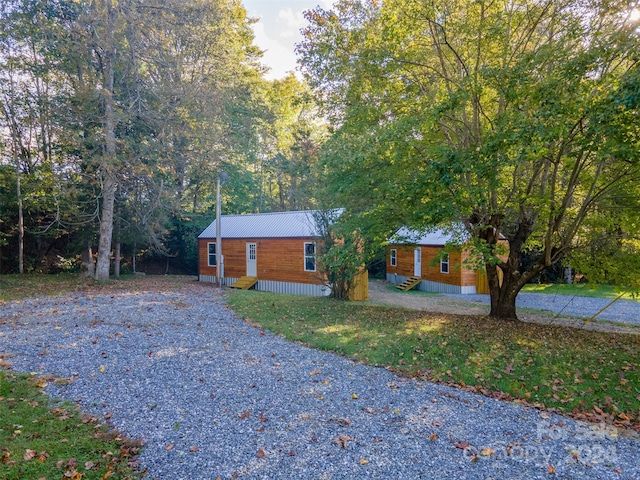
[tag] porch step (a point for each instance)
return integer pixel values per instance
(245, 283)
(409, 283)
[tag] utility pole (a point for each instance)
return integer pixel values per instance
(222, 178)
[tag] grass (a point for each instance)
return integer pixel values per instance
(590, 375)
(41, 439)
(581, 290)
(14, 287)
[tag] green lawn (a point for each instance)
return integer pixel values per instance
(584, 373)
(581, 290)
(44, 439)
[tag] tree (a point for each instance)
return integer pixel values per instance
(340, 252)
(515, 119)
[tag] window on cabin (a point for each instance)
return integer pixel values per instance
(211, 249)
(309, 257)
(444, 263)
(393, 257)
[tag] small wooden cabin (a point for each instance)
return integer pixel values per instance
(413, 255)
(279, 249)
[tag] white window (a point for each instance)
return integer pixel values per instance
(393, 257)
(444, 263)
(309, 257)
(211, 249)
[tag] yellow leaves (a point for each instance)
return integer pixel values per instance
(363, 461)
(102, 368)
(487, 451)
(354, 396)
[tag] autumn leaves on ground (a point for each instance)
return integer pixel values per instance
(584, 374)
(587, 375)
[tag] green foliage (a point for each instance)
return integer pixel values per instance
(518, 122)
(340, 256)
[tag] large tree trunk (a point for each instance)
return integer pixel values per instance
(503, 295)
(109, 156)
(106, 227)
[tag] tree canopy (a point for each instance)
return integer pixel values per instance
(117, 117)
(514, 119)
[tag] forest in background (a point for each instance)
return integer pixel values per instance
(507, 120)
(121, 115)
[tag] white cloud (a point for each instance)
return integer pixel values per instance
(278, 30)
(293, 22)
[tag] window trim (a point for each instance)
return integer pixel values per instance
(306, 257)
(214, 254)
(393, 257)
(444, 260)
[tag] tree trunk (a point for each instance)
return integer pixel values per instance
(109, 156)
(503, 304)
(88, 266)
(116, 260)
(20, 220)
(106, 228)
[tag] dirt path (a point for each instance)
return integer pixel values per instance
(380, 293)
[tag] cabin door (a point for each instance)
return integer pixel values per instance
(417, 262)
(252, 260)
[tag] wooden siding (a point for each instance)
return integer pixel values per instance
(278, 259)
(458, 274)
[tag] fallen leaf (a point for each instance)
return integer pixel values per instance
(433, 437)
(193, 449)
(487, 451)
(169, 447)
(354, 396)
(89, 465)
(363, 461)
(244, 414)
(551, 469)
(29, 454)
(315, 372)
(342, 440)
(260, 453)
(102, 369)
(461, 445)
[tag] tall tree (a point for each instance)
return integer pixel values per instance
(512, 119)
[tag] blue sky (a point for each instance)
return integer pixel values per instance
(279, 30)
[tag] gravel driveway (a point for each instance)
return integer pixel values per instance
(212, 396)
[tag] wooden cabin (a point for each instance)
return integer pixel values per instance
(277, 250)
(410, 254)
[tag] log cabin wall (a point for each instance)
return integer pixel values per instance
(278, 259)
(458, 273)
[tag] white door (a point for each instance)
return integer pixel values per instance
(417, 262)
(252, 260)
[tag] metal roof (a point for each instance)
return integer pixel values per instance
(436, 237)
(265, 225)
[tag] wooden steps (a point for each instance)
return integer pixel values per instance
(245, 283)
(409, 283)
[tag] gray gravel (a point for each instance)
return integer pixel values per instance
(180, 369)
(622, 311)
